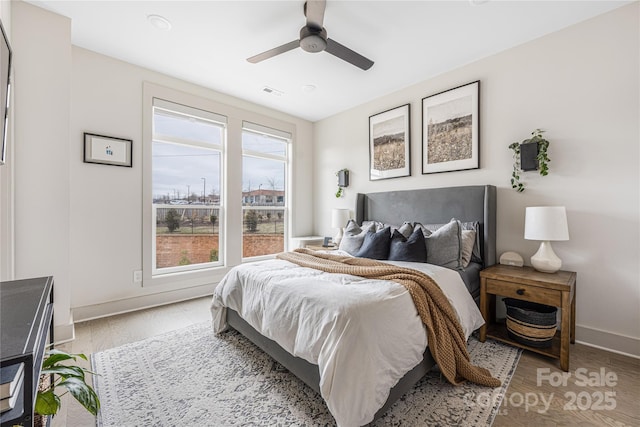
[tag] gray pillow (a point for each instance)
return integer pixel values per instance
(412, 249)
(469, 225)
(468, 238)
(405, 229)
(444, 244)
(376, 244)
(353, 237)
(475, 226)
(376, 225)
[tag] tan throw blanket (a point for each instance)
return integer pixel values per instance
(446, 338)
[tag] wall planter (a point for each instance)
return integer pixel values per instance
(343, 181)
(528, 155)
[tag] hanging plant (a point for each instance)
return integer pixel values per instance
(541, 159)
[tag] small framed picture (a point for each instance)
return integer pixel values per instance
(107, 150)
(328, 242)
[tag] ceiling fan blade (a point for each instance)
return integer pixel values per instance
(346, 54)
(314, 11)
(273, 52)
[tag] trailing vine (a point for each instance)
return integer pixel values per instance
(542, 158)
(515, 174)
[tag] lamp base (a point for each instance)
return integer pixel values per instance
(338, 237)
(545, 260)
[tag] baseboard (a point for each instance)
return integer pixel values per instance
(96, 311)
(621, 344)
(63, 333)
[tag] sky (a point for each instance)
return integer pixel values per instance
(180, 168)
(449, 110)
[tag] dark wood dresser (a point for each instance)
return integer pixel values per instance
(26, 325)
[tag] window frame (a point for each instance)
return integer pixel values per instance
(198, 114)
(287, 139)
(232, 200)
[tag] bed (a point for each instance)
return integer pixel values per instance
(468, 204)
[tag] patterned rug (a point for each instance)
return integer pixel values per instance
(191, 377)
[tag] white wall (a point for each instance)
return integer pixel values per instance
(82, 223)
(42, 93)
(581, 86)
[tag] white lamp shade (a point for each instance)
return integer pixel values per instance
(339, 218)
(546, 223)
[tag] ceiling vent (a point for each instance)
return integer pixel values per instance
(272, 91)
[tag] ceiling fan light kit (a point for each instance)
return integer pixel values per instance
(314, 39)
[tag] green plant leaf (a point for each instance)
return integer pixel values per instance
(83, 393)
(72, 378)
(54, 356)
(47, 403)
(64, 371)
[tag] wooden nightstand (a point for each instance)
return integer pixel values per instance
(321, 248)
(524, 283)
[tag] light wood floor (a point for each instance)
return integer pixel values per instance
(109, 332)
(101, 334)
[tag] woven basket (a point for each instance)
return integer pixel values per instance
(530, 323)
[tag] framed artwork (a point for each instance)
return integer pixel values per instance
(389, 144)
(107, 150)
(451, 130)
(5, 89)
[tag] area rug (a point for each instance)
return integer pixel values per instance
(192, 377)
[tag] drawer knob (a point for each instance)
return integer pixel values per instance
(520, 292)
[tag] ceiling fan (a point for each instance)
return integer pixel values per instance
(313, 38)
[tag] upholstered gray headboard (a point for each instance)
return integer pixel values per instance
(436, 206)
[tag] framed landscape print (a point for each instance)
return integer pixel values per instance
(389, 144)
(450, 130)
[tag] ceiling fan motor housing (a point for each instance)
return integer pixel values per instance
(313, 39)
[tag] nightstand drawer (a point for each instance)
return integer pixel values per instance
(526, 292)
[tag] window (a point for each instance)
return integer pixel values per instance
(201, 161)
(264, 184)
(187, 183)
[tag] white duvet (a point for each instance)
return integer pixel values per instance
(363, 334)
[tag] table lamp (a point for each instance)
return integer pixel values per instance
(546, 223)
(339, 219)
